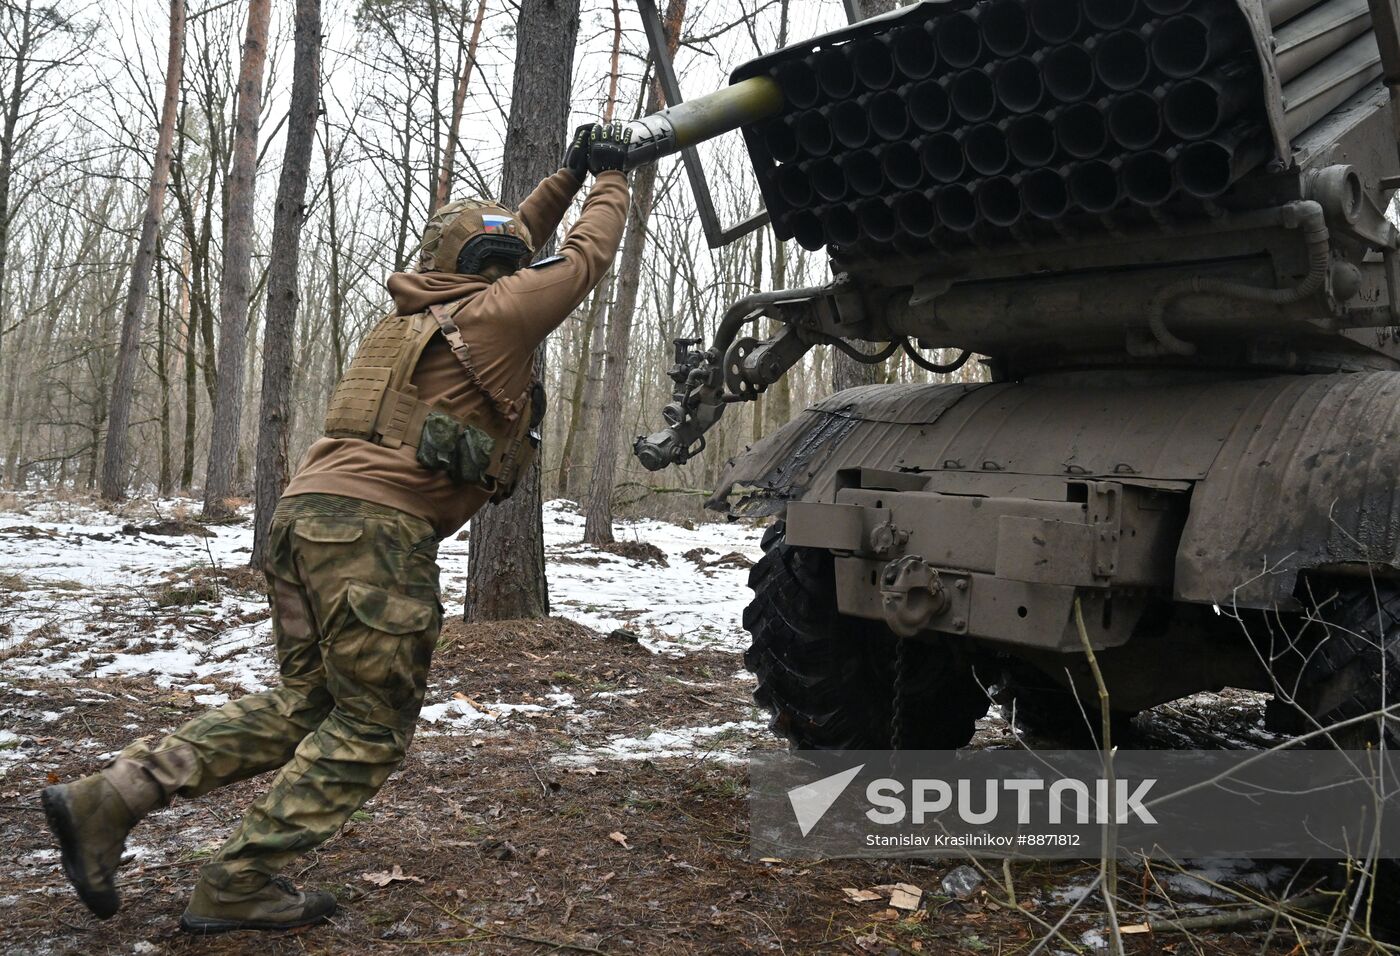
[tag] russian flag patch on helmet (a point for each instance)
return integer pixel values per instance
(498, 224)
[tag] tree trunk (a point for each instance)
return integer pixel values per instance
(505, 571)
(164, 479)
(588, 373)
(238, 251)
(614, 64)
(279, 328)
(114, 452)
(335, 306)
(190, 370)
(459, 98)
(580, 399)
(14, 104)
(598, 516)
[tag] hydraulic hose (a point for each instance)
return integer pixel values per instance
(865, 358)
(925, 364)
(1306, 215)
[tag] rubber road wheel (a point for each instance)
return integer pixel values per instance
(1352, 666)
(829, 680)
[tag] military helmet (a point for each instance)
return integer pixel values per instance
(465, 234)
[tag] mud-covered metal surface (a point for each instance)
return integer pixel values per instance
(1164, 433)
(859, 427)
(1307, 479)
(1286, 473)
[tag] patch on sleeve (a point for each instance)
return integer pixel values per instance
(546, 261)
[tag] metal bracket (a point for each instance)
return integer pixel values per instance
(716, 235)
(912, 595)
(1349, 207)
(1106, 519)
(750, 365)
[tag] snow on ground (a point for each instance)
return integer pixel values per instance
(674, 607)
(682, 742)
(85, 593)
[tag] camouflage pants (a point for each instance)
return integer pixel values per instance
(355, 617)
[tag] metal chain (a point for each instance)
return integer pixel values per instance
(897, 706)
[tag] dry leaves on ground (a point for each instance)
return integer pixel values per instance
(384, 878)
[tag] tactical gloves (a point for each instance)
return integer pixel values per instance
(576, 156)
(608, 146)
(596, 147)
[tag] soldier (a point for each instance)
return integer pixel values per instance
(437, 414)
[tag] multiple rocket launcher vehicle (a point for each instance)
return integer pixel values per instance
(1161, 227)
(1009, 111)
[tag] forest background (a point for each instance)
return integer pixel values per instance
(173, 318)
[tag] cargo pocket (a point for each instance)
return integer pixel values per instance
(389, 644)
(296, 636)
(329, 530)
(328, 550)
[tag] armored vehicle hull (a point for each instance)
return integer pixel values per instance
(1159, 226)
(1181, 512)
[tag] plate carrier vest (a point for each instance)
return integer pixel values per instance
(377, 401)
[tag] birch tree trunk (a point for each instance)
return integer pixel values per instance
(598, 515)
(238, 251)
(279, 329)
(114, 452)
(505, 570)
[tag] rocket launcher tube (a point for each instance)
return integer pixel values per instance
(694, 121)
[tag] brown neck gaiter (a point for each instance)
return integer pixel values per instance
(414, 291)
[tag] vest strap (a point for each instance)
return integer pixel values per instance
(509, 409)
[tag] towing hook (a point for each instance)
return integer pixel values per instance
(912, 593)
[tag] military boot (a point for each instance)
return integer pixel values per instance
(91, 818)
(276, 904)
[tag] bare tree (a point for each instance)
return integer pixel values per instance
(234, 290)
(459, 98)
(588, 371)
(25, 69)
(598, 512)
(114, 453)
(505, 571)
(280, 323)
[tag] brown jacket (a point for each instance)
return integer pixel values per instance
(503, 322)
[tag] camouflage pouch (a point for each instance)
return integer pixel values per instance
(474, 450)
(437, 446)
(446, 445)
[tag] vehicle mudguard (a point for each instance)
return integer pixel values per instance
(1285, 473)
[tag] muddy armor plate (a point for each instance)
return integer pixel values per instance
(1283, 474)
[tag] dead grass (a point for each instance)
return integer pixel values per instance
(507, 851)
(642, 551)
(19, 583)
